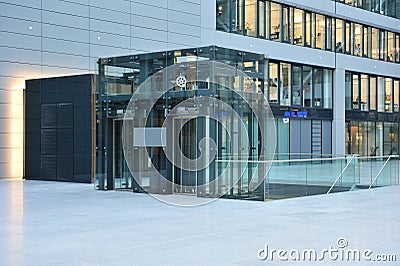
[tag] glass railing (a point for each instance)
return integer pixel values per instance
(306, 174)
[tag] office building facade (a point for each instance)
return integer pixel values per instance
(304, 42)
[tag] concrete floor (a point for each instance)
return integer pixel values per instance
(44, 223)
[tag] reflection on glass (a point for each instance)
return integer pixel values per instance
(308, 28)
(237, 16)
(317, 87)
(296, 89)
(383, 44)
(286, 24)
(364, 93)
(348, 101)
(329, 34)
(273, 83)
(285, 84)
(381, 94)
(348, 39)
(366, 42)
(328, 88)
(307, 86)
(275, 22)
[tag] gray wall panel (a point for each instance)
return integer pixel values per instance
(20, 40)
(65, 33)
(109, 27)
(148, 11)
(66, 7)
(326, 137)
(305, 140)
(20, 55)
(69, 47)
(65, 20)
(14, 11)
(18, 25)
(110, 15)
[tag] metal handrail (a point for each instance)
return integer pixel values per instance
(341, 174)
(380, 171)
(280, 161)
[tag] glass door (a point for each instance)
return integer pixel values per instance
(122, 175)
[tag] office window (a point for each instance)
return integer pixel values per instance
(397, 50)
(307, 86)
(372, 93)
(297, 26)
(381, 94)
(330, 29)
(382, 45)
(388, 95)
(366, 47)
(367, 4)
(339, 36)
(251, 18)
(320, 31)
(348, 37)
(296, 88)
(391, 47)
(285, 24)
(223, 10)
(273, 83)
(261, 19)
(317, 77)
(357, 39)
(328, 85)
(364, 93)
(237, 16)
(347, 89)
(285, 84)
(275, 22)
(355, 90)
(308, 30)
(374, 43)
(396, 94)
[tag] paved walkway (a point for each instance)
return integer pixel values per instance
(44, 223)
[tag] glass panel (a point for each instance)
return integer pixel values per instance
(364, 93)
(320, 31)
(273, 83)
(379, 139)
(366, 42)
(286, 24)
(372, 93)
(298, 26)
(397, 53)
(308, 28)
(328, 85)
(275, 21)
(388, 95)
(381, 94)
(348, 39)
(348, 91)
(329, 34)
(223, 10)
(296, 89)
(317, 87)
(237, 16)
(356, 98)
(307, 86)
(285, 84)
(339, 36)
(390, 49)
(261, 19)
(362, 139)
(250, 18)
(382, 45)
(375, 44)
(357, 39)
(396, 95)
